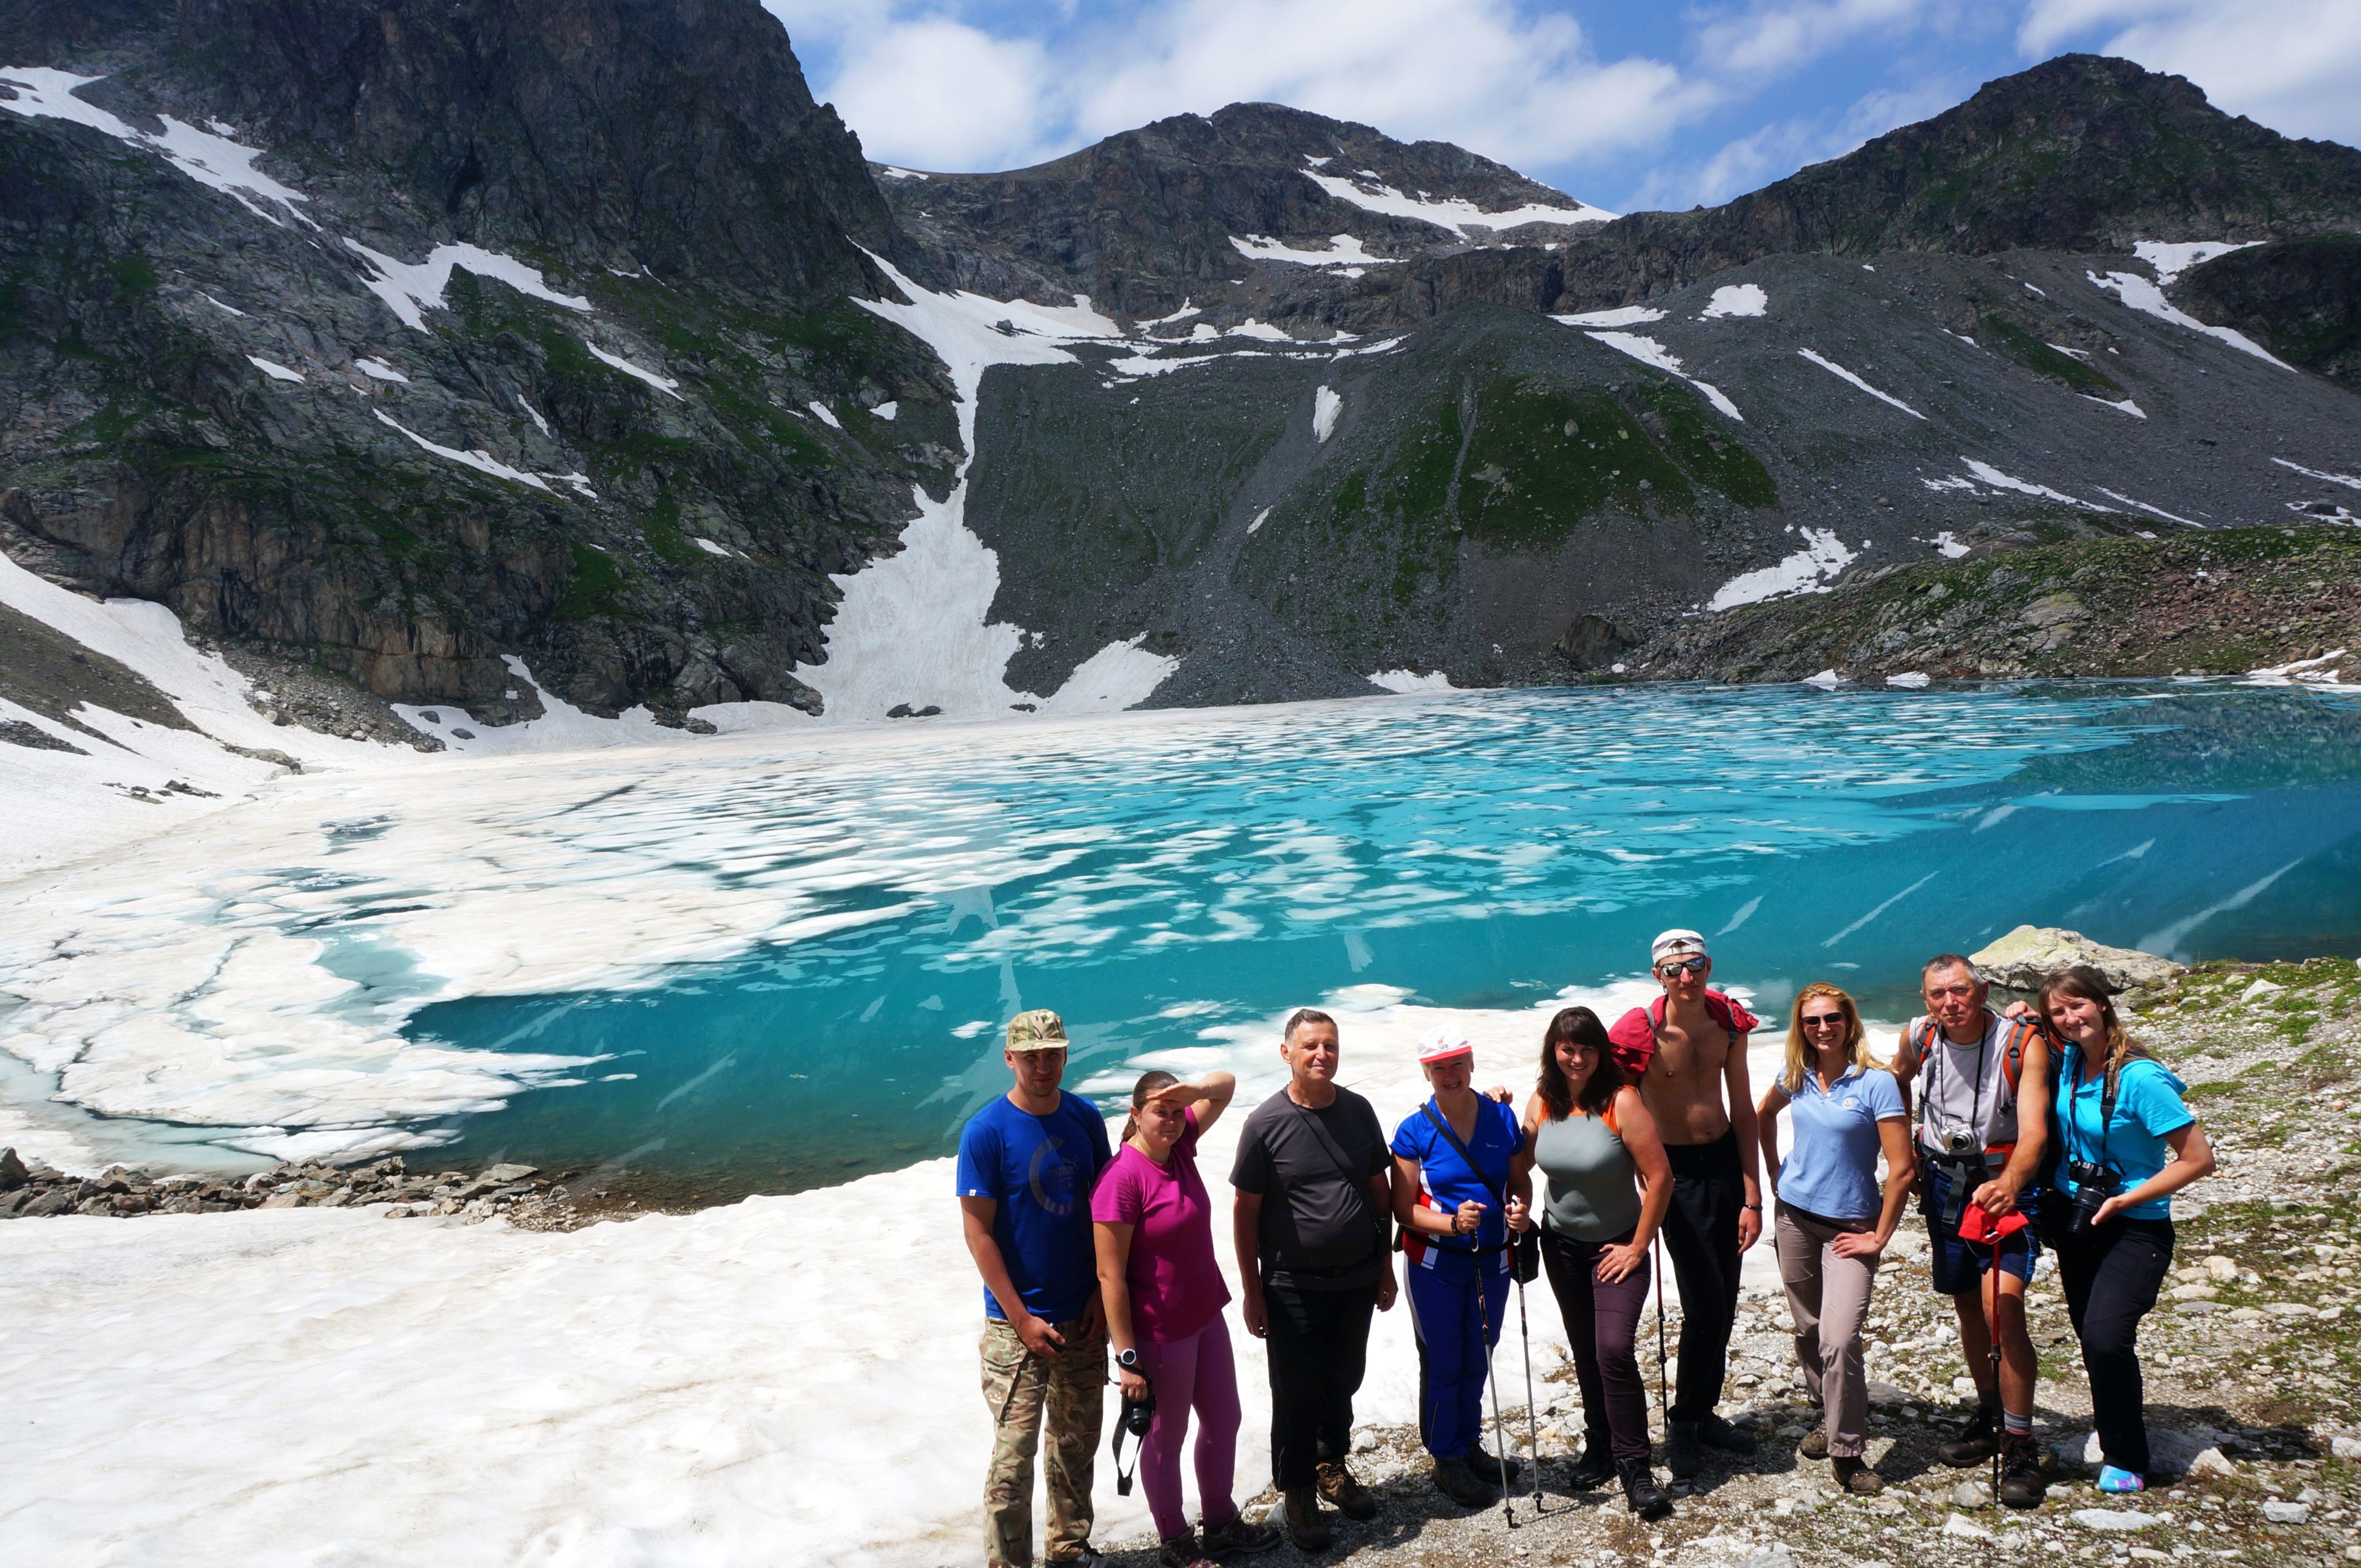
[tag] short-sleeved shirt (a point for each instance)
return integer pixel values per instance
(1321, 1229)
(2147, 1106)
(1445, 1181)
(1832, 1167)
(1040, 1170)
(1176, 1284)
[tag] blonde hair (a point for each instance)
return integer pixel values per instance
(1799, 1050)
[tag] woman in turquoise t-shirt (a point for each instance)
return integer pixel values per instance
(2118, 1110)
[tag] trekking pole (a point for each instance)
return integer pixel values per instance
(1991, 1327)
(1533, 1412)
(1499, 1438)
(1656, 1250)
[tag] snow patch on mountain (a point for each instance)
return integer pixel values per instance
(2171, 258)
(479, 460)
(210, 159)
(1648, 351)
(1408, 681)
(412, 289)
(2000, 482)
(379, 371)
(663, 384)
(2348, 480)
(2144, 296)
(1326, 404)
(1833, 369)
(1344, 250)
(275, 370)
(1807, 570)
(1617, 315)
(1365, 192)
(1736, 300)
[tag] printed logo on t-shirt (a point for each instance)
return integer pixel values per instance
(1052, 1182)
(1851, 1103)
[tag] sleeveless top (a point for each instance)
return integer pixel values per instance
(1968, 1086)
(1592, 1193)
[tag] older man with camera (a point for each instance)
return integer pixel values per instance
(1983, 1084)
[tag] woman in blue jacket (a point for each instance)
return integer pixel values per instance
(1452, 1160)
(2127, 1142)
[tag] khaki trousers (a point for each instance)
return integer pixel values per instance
(1828, 1296)
(1022, 1391)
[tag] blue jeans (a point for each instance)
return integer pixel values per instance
(1454, 1353)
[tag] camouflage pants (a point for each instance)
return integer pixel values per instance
(1018, 1388)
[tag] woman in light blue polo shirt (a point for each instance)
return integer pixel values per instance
(1832, 1219)
(2125, 1133)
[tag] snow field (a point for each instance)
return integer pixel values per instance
(1823, 556)
(1408, 681)
(1648, 351)
(1452, 213)
(210, 159)
(2142, 295)
(1344, 250)
(1838, 371)
(787, 1380)
(1736, 300)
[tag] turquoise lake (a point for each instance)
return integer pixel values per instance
(1168, 885)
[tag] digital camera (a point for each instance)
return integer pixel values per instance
(2094, 1185)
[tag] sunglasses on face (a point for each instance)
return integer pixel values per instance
(1824, 1020)
(1673, 966)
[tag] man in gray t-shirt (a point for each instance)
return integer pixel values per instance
(1314, 1258)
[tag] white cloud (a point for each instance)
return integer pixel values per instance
(2290, 64)
(1774, 36)
(1749, 162)
(936, 94)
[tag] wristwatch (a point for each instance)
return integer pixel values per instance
(1127, 1359)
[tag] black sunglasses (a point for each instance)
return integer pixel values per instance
(1695, 966)
(1822, 1020)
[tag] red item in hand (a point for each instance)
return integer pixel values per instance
(1976, 1225)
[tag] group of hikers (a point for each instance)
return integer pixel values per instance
(2040, 1126)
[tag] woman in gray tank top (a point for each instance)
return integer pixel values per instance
(1606, 1185)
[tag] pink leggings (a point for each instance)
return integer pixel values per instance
(1195, 1374)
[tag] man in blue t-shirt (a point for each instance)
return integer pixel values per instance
(1027, 1164)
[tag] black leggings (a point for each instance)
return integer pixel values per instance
(1602, 1321)
(2111, 1274)
(1701, 1233)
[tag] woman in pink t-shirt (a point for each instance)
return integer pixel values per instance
(1164, 1297)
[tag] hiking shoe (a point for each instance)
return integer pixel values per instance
(1307, 1527)
(1455, 1480)
(2114, 1480)
(2021, 1485)
(1683, 1452)
(1347, 1495)
(1499, 1469)
(1595, 1468)
(1718, 1434)
(1816, 1445)
(1235, 1537)
(1856, 1477)
(1182, 1551)
(1974, 1445)
(1088, 1557)
(1639, 1490)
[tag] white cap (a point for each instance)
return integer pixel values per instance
(1443, 1044)
(1674, 944)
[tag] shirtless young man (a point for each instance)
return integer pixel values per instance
(1687, 1052)
(1984, 1083)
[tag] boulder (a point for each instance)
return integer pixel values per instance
(13, 1173)
(2115, 1519)
(2278, 1512)
(2018, 961)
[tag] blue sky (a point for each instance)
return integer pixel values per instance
(1630, 104)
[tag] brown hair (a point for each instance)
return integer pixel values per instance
(1303, 1016)
(1571, 1025)
(1151, 1080)
(1800, 1049)
(2082, 980)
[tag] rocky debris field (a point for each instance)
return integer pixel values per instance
(2222, 602)
(2251, 1387)
(517, 1193)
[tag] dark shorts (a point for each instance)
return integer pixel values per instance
(1961, 1266)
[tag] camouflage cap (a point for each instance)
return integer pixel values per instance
(1039, 1030)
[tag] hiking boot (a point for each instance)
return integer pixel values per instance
(1816, 1445)
(1974, 1445)
(1182, 1551)
(1307, 1527)
(1718, 1434)
(1595, 1468)
(1639, 1489)
(1684, 1450)
(1234, 1537)
(1345, 1493)
(1856, 1477)
(1088, 1557)
(1496, 1469)
(2021, 1485)
(1455, 1480)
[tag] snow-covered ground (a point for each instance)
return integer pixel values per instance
(786, 1380)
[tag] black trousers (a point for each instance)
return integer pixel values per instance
(1319, 1345)
(2111, 1274)
(1701, 1234)
(1601, 1324)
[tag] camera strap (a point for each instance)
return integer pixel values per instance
(1143, 1414)
(2108, 1085)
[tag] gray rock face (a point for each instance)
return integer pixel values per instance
(2019, 959)
(12, 1174)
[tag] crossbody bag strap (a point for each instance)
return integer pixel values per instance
(1359, 1183)
(1460, 1150)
